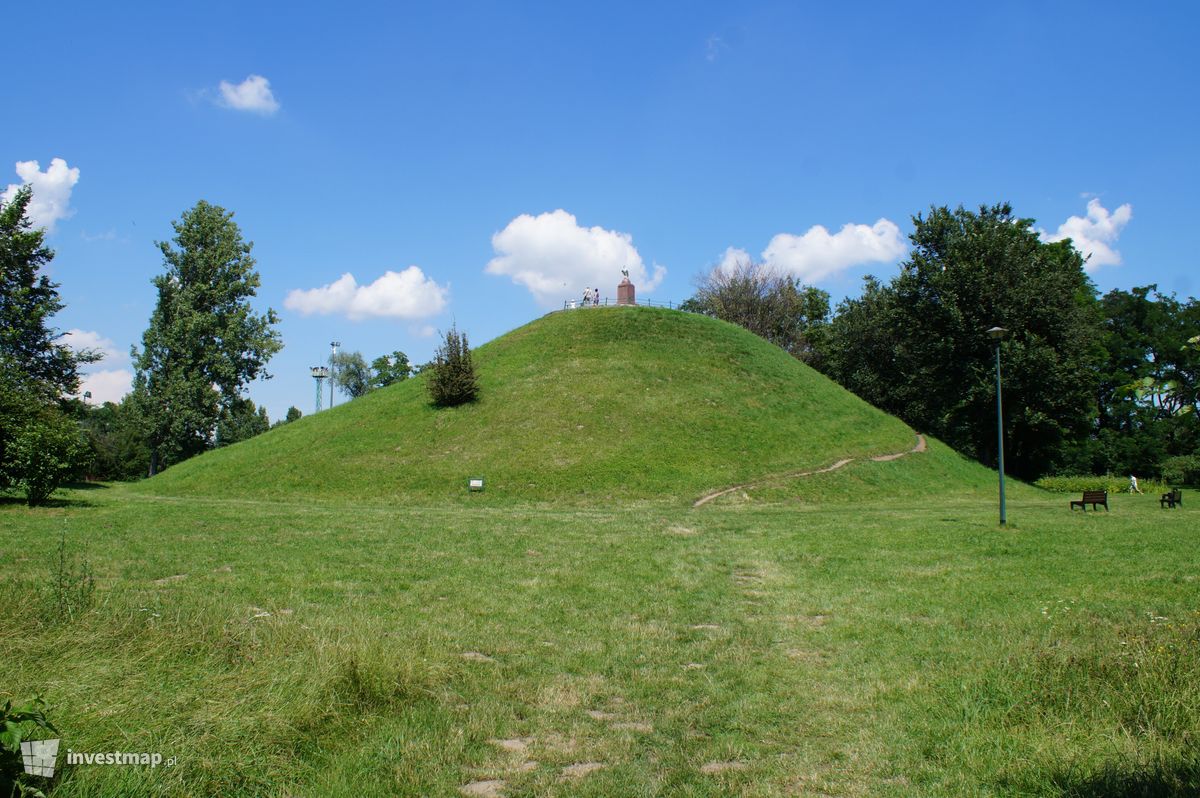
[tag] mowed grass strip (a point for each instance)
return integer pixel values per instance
(341, 648)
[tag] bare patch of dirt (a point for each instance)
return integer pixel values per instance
(515, 745)
(488, 788)
(166, 580)
(581, 769)
(475, 656)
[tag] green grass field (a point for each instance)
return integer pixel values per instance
(325, 611)
(334, 648)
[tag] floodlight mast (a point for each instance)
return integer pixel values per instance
(319, 373)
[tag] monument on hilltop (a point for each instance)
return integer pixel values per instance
(625, 291)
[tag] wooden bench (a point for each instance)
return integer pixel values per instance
(1171, 499)
(1092, 497)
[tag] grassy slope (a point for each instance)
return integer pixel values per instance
(617, 404)
(912, 649)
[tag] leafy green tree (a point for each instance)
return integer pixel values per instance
(117, 450)
(293, 413)
(769, 304)
(917, 347)
(45, 452)
(241, 422)
(27, 301)
(350, 373)
(1148, 392)
(205, 342)
(37, 371)
(452, 381)
(387, 369)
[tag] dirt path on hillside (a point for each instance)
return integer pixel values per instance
(883, 458)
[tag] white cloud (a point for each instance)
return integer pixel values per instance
(1095, 234)
(105, 385)
(52, 188)
(555, 258)
(402, 295)
(818, 254)
(252, 94)
(87, 339)
(733, 259)
(108, 385)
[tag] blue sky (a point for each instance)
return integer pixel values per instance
(497, 157)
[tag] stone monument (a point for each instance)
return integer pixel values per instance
(625, 291)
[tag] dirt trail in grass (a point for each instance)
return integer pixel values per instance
(883, 458)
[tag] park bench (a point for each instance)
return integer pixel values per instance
(1171, 498)
(1092, 497)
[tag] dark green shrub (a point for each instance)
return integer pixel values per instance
(452, 379)
(1182, 470)
(1110, 483)
(46, 451)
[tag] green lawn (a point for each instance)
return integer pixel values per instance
(324, 647)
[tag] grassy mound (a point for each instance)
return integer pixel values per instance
(603, 404)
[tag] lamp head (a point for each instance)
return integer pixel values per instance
(996, 333)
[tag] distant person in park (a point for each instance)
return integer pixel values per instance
(587, 296)
(1133, 486)
(595, 297)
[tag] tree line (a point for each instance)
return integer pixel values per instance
(1092, 384)
(204, 344)
(202, 347)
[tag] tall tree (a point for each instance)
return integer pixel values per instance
(917, 347)
(40, 446)
(1148, 392)
(28, 299)
(205, 342)
(775, 306)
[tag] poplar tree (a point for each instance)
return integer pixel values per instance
(205, 342)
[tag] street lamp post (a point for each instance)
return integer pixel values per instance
(333, 347)
(997, 333)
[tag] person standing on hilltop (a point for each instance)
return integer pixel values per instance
(595, 297)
